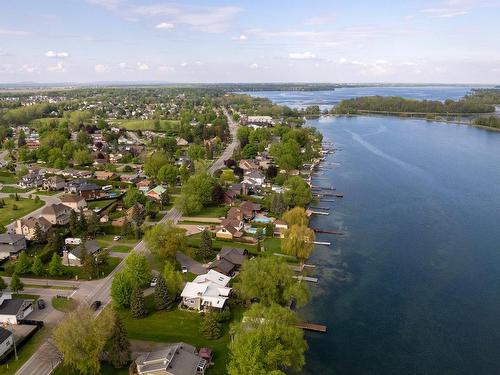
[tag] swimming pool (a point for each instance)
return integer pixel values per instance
(262, 220)
(251, 230)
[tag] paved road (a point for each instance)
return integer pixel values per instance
(46, 358)
(191, 264)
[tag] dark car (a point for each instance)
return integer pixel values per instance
(41, 304)
(95, 305)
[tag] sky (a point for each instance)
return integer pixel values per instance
(427, 41)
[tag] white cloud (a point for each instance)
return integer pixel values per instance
(122, 65)
(198, 63)
(456, 8)
(164, 26)
(166, 68)
(27, 68)
(61, 54)
(59, 67)
(301, 56)
(444, 12)
(285, 33)
(108, 4)
(14, 32)
(101, 68)
(184, 64)
(142, 66)
(254, 66)
(322, 20)
(240, 38)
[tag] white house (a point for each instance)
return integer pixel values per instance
(208, 290)
(12, 310)
(6, 341)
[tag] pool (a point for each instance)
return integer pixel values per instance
(251, 230)
(262, 220)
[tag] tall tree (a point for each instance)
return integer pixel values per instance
(163, 298)
(205, 251)
(23, 264)
(15, 283)
(55, 267)
(137, 268)
(92, 225)
(297, 192)
(173, 279)
(210, 327)
(81, 339)
(121, 289)
(37, 266)
(296, 216)
(270, 281)
(39, 236)
(73, 223)
(137, 304)
(266, 341)
(164, 240)
(118, 346)
(3, 285)
(298, 242)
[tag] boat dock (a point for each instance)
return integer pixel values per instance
(328, 231)
(320, 213)
(322, 243)
(312, 327)
(306, 278)
(319, 208)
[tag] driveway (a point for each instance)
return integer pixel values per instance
(191, 264)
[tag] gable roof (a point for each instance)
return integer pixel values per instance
(31, 222)
(8, 238)
(234, 255)
(4, 334)
(71, 198)
(91, 247)
(54, 209)
(222, 265)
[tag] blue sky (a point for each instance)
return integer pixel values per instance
(441, 41)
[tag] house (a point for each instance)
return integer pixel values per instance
(129, 215)
(247, 164)
(257, 121)
(144, 185)
(26, 227)
(13, 310)
(104, 175)
(56, 214)
(54, 183)
(73, 201)
(230, 228)
(208, 290)
(156, 192)
(31, 180)
(131, 178)
(254, 179)
(280, 226)
(11, 245)
(86, 189)
(181, 142)
(245, 211)
(73, 256)
(6, 341)
(229, 260)
(175, 359)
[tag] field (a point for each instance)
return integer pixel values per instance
(176, 325)
(134, 124)
(24, 206)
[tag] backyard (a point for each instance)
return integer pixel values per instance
(8, 213)
(134, 124)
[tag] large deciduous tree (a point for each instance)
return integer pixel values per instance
(296, 216)
(297, 192)
(164, 240)
(138, 270)
(121, 289)
(298, 242)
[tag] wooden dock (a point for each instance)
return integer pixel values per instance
(322, 243)
(306, 278)
(312, 327)
(328, 231)
(320, 213)
(319, 208)
(327, 200)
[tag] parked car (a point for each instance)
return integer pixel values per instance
(184, 269)
(116, 238)
(200, 227)
(154, 280)
(95, 305)
(41, 304)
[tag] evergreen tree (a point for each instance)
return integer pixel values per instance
(23, 264)
(73, 223)
(16, 284)
(205, 250)
(38, 235)
(37, 266)
(82, 223)
(126, 228)
(54, 242)
(3, 285)
(89, 264)
(137, 304)
(118, 346)
(55, 266)
(210, 326)
(163, 299)
(92, 225)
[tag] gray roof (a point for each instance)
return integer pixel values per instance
(233, 255)
(11, 306)
(4, 334)
(92, 247)
(10, 238)
(177, 359)
(224, 266)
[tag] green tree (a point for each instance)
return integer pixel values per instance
(164, 240)
(266, 341)
(23, 264)
(16, 284)
(270, 281)
(210, 327)
(137, 268)
(81, 339)
(173, 279)
(196, 193)
(39, 236)
(3, 285)
(277, 204)
(297, 192)
(137, 304)
(196, 152)
(133, 196)
(168, 174)
(121, 289)
(118, 346)
(92, 225)
(73, 223)
(55, 267)
(37, 266)
(205, 250)
(296, 216)
(163, 298)
(298, 242)
(153, 164)
(82, 157)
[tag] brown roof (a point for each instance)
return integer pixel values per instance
(249, 207)
(72, 198)
(31, 221)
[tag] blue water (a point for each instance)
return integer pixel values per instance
(413, 287)
(262, 220)
(327, 99)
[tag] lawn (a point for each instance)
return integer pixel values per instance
(212, 211)
(45, 192)
(270, 245)
(120, 249)
(176, 325)
(13, 189)
(7, 177)
(64, 304)
(79, 272)
(24, 207)
(24, 353)
(135, 124)
(100, 204)
(105, 370)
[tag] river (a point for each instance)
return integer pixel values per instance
(413, 286)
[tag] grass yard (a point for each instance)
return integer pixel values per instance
(13, 189)
(24, 207)
(7, 177)
(105, 370)
(45, 192)
(270, 245)
(135, 124)
(176, 325)
(120, 249)
(11, 367)
(64, 304)
(212, 211)
(25, 296)
(74, 272)
(100, 204)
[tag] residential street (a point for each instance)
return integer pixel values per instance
(46, 357)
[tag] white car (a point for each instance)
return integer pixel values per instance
(184, 269)
(201, 227)
(154, 280)
(116, 238)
